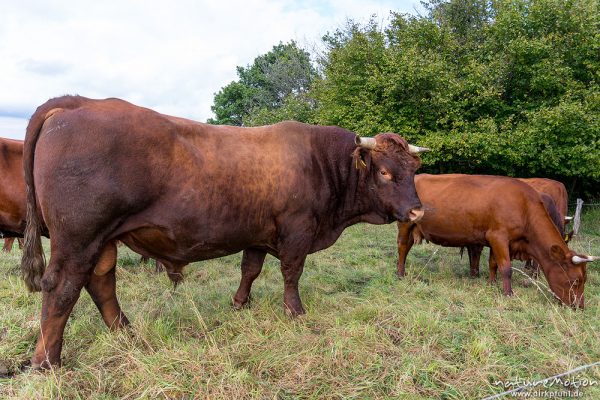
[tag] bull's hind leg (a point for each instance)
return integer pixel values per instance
(102, 289)
(252, 262)
(61, 286)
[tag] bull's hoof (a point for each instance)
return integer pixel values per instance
(400, 275)
(294, 311)
(509, 293)
(240, 304)
(474, 275)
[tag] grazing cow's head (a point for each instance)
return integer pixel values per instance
(389, 164)
(568, 281)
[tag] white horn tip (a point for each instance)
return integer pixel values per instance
(416, 149)
(567, 218)
(579, 260)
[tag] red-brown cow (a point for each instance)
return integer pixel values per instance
(12, 189)
(183, 191)
(554, 196)
(503, 213)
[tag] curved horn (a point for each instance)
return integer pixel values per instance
(579, 260)
(366, 142)
(416, 149)
(567, 218)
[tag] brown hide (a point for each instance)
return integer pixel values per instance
(503, 213)
(182, 191)
(12, 189)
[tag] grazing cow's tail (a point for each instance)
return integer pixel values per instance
(33, 262)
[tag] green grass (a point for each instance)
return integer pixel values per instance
(436, 334)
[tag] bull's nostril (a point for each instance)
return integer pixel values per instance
(416, 214)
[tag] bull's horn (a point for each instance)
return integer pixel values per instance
(366, 142)
(567, 218)
(579, 260)
(416, 149)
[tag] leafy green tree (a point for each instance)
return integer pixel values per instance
(275, 85)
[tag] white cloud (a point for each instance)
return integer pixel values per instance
(169, 56)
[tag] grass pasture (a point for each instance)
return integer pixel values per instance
(436, 334)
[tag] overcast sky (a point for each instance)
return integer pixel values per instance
(171, 56)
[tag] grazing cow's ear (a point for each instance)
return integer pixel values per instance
(557, 253)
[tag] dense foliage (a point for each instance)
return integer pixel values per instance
(509, 87)
(268, 90)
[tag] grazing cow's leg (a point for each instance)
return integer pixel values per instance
(8, 244)
(405, 242)
(474, 257)
(493, 268)
(252, 262)
(61, 286)
(502, 256)
(102, 289)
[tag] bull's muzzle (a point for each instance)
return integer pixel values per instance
(416, 214)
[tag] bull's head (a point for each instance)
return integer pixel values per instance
(568, 281)
(389, 164)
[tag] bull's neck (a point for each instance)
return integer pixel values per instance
(352, 193)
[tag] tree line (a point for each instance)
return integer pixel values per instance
(506, 87)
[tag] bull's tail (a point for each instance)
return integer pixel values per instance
(33, 262)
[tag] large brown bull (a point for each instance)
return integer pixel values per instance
(183, 191)
(503, 213)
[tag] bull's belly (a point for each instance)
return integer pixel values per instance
(185, 247)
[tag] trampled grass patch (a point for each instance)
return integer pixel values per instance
(435, 334)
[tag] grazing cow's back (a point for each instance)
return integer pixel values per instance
(183, 191)
(503, 213)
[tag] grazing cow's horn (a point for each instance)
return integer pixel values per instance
(579, 260)
(567, 218)
(366, 142)
(416, 149)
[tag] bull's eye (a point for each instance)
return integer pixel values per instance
(385, 175)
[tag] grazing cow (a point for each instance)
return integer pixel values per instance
(12, 189)
(555, 198)
(183, 191)
(503, 213)
(475, 251)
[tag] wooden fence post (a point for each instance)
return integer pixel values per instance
(577, 217)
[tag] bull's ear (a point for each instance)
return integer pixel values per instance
(362, 158)
(557, 253)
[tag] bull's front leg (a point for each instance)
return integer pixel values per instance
(292, 270)
(252, 262)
